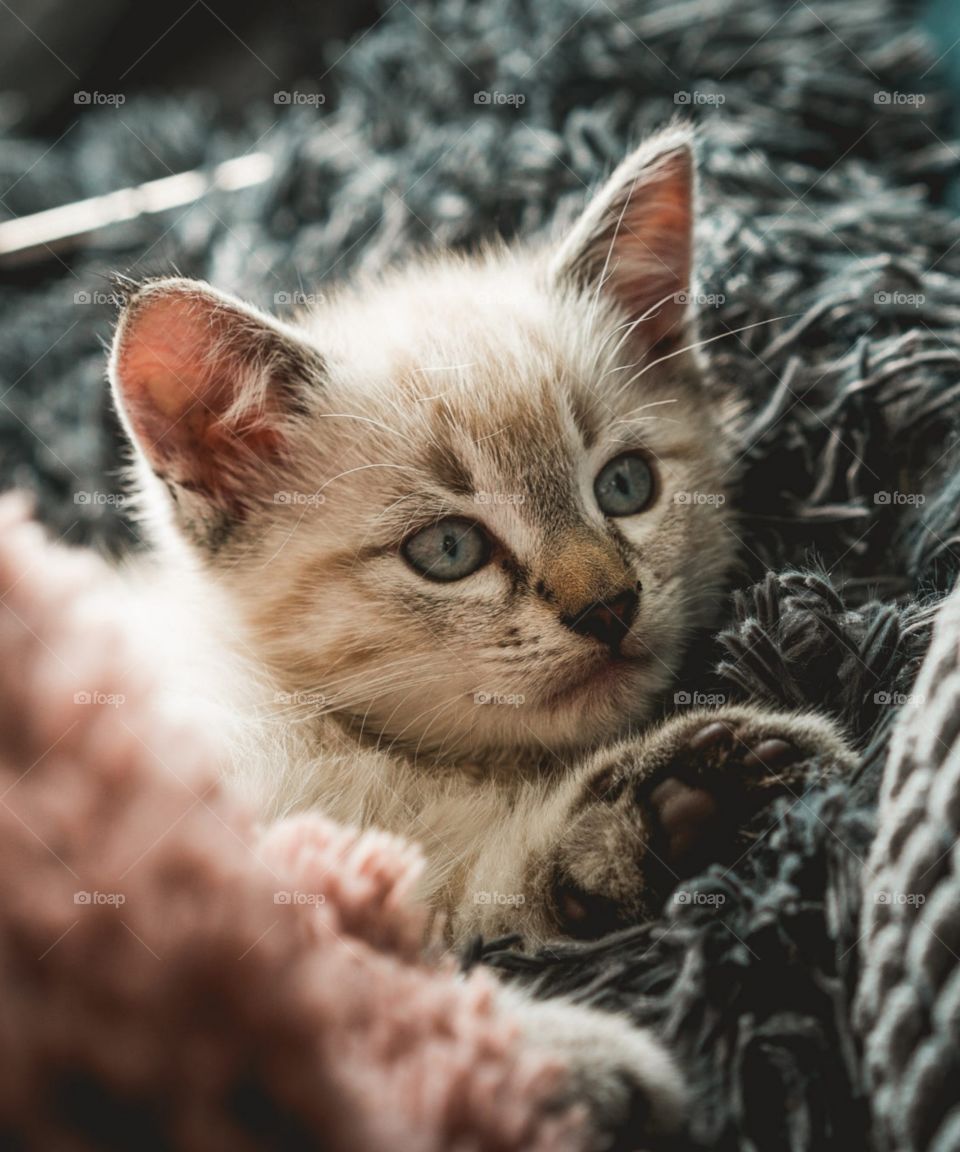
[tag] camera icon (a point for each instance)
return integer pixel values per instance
(82, 698)
(881, 98)
(282, 98)
(882, 498)
(681, 498)
(281, 298)
(681, 97)
(882, 298)
(82, 898)
(481, 98)
(882, 898)
(681, 898)
(82, 298)
(282, 898)
(681, 698)
(82, 98)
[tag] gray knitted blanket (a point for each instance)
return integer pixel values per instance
(820, 190)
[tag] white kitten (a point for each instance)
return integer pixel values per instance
(442, 553)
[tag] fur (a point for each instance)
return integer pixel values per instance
(174, 974)
(282, 467)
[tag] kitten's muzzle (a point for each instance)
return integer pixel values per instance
(608, 620)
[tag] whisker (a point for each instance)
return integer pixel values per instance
(687, 348)
(650, 404)
(604, 276)
(363, 468)
(366, 420)
(702, 343)
(344, 703)
(425, 733)
(426, 712)
(340, 688)
(631, 326)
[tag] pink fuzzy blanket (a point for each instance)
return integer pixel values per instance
(172, 977)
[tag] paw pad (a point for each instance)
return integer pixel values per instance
(688, 820)
(584, 915)
(712, 789)
(720, 740)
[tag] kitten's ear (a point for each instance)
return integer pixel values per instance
(207, 386)
(635, 238)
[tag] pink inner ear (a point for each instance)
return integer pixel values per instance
(651, 262)
(180, 360)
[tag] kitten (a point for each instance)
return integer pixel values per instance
(441, 524)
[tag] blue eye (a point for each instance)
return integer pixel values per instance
(448, 550)
(624, 485)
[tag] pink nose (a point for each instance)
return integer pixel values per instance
(607, 620)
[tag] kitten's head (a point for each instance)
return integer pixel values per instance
(472, 507)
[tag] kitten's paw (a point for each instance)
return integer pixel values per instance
(710, 774)
(622, 1074)
(654, 811)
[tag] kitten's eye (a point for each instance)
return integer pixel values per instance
(624, 485)
(448, 550)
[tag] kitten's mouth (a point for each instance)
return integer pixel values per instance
(603, 675)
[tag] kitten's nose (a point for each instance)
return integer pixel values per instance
(606, 620)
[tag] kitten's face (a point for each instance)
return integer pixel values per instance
(454, 507)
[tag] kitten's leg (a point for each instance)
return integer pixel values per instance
(624, 1076)
(621, 1074)
(608, 844)
(653, 811)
